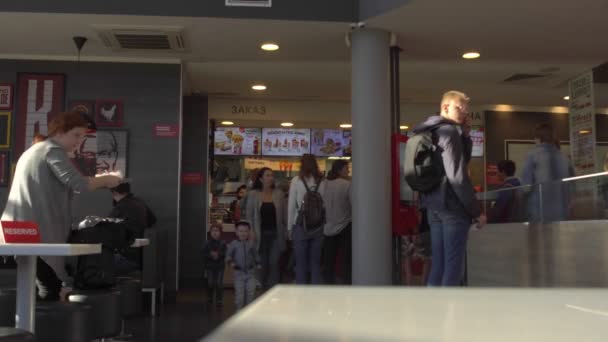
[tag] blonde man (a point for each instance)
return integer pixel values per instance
(451, 206)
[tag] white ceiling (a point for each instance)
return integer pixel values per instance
(518, 36)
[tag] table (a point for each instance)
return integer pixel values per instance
(26, 254)
(317, 313)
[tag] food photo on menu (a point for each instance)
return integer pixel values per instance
(237, 141)
(331, 143)
(285, 142)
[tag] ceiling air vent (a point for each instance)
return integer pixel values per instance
(522, 77)
(151, 39)
(249, 3)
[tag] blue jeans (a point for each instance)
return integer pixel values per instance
(307, 248)
(449, 234)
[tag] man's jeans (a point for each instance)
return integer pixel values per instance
(449, 234)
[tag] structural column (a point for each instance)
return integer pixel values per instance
(370, 99)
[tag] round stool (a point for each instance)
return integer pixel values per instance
(131, 297)
(105, 305)
(62, 321)
(8, 303)
(15, 335)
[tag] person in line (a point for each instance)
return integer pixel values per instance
(267, 211)
(338, 229)
(504, 209)
(243, 257)
(137, 217)
(214, 254)
(452, 206)
(545, 167)
(307, 245)
(42, 191)
(236, 206)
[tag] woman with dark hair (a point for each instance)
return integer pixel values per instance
(266, 211)
(236, 205)
(42, 191)
(337, 229)
(307, 244)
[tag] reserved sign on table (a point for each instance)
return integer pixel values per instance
(19, 232)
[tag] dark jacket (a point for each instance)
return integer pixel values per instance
(137, 217)
(218, 246)
(455, 193)
(504, 209)
(136, 214)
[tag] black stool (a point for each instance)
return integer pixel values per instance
(15, 335)
(130, 302)
(8, 307)
(105, 310)
(62, 321)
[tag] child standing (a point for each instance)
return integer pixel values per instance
(214, 253)
(244, 259)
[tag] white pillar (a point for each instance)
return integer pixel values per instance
(370, 99)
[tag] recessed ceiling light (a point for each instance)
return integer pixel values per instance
(269, 47)
(471, 55)
(287, 124)
(227, 123)
(258, 87)
(346, 126)
(404, 127)
(566, 98)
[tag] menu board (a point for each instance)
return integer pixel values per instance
(478, 138)
(331, 143)
(236, 141)
(285, 142)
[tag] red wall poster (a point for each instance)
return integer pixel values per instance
(40, 98)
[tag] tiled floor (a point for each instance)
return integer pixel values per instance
(187, 319)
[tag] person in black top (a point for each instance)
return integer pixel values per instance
(266, 210)
(214, 253)
(137, 216)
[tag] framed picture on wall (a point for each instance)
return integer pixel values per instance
(5, 129)
(86, 106)
(109, 113)
(39, 98)
(5, 171)
(112, 151)
(6, 96)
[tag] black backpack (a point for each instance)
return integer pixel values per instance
(423, 167)
(98, 271)
(311, 215)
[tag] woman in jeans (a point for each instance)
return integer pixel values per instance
(42, 191)
(337, 229)
(307, 245)
(266, 209)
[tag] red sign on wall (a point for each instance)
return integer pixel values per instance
(40, 98)
(166, 131)
(492, 175)
(20, 232)
(192, 178)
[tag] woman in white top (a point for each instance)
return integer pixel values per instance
(337, 229)
(307, 244)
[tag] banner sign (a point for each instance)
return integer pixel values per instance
(582, 124)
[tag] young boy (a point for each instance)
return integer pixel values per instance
(243, 257)
(214, 253)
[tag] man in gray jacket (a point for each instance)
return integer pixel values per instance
(452, 206)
